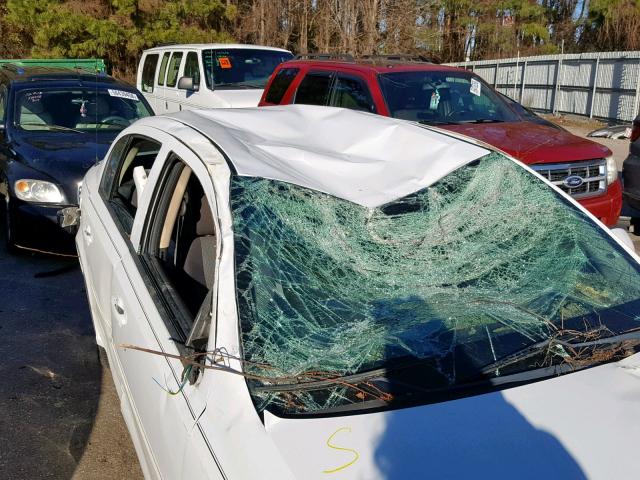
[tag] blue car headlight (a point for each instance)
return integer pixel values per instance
(38, 191)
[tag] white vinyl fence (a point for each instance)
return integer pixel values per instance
(598, 85)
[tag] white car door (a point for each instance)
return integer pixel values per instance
(155, 299)
(103, 236)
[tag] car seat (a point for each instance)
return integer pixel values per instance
(199, 263)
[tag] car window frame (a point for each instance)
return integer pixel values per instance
(181, 55)
(150, 86)
(289, 84)
(116, 155)
(196, 81)
(363, 83)
(161, 76)
(172, 310)
(316, 72)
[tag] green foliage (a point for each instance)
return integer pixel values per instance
(56, 28)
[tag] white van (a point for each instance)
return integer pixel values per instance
(171, 77)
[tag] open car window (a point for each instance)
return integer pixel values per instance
(415, 299)
(131, 157)
(180, 251)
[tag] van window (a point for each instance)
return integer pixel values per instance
(192, 68)
(174, 67)
(148, 72)
(280, 84)
(163, 68)
(314, 89)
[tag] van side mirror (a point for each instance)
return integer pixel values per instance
(187, 83)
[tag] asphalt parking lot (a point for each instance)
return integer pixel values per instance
(59, 411)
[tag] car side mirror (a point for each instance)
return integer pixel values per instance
(187, 83)
(69, 219)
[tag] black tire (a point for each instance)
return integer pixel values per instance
(635, 225)
(103, 359)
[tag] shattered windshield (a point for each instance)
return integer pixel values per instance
(443, 287)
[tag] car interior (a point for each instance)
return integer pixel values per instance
(74, 110)
(186, 244)
(141, 153)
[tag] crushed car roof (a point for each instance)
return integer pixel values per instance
(364, 158)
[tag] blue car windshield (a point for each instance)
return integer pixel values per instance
(78, 109)
(241, 68)
(486, 262)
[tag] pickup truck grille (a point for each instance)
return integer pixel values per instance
(593, 174)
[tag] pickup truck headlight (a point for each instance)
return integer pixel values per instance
(38, 191)
(612, 170)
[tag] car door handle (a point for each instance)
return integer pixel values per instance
(87, 234)
(118, 306)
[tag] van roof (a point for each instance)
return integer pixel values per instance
(207, 46)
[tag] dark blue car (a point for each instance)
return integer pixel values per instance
(56, 124)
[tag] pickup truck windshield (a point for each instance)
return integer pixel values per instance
(240, 68)
(453, 278)
(444, 97)
(78, 109)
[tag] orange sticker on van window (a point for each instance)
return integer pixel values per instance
(224, 62)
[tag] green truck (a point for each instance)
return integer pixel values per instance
(96, 65)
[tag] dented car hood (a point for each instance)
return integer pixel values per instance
(581, 425)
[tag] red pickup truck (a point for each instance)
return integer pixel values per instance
(460, 101)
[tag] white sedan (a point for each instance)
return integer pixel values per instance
(307, 292)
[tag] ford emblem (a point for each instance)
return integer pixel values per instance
(573, 181)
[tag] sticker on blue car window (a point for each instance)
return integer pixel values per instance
(122, 94)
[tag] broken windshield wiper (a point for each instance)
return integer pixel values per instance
(553, 345)
(556, 346)
(51, 127)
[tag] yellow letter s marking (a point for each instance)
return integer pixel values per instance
(330, 445)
